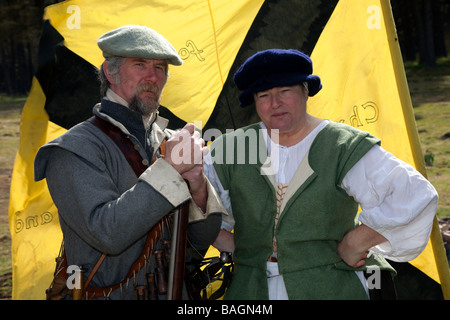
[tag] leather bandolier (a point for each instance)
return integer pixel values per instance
(157, 282)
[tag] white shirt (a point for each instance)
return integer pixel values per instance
(396, 200)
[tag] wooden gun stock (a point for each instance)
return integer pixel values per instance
(178, 253)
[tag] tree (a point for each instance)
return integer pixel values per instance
(20, 26)
(421, 29)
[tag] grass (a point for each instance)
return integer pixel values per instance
(430, 94)
(10, 110)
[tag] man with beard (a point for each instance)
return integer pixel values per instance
(105, 208)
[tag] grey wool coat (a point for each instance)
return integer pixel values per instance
(104, 207)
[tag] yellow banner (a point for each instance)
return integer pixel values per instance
(358, 59)
(206, 34)
(33, 219)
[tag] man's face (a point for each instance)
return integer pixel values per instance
(282, 108)
(141, 82)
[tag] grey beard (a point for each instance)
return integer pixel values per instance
(142, 107)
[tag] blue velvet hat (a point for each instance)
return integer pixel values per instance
(274, 68)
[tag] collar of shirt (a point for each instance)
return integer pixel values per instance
(129, 119)
(116, 107)
(289, 158)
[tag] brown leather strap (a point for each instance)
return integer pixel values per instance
(94, 270)
(123, 142)
(152, 238)
(96, 292)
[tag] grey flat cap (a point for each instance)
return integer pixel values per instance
(132, 41)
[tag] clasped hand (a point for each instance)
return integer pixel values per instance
(184, 151)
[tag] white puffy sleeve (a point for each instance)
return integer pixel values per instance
(396, 201)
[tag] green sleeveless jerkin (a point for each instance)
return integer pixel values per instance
(314, 219)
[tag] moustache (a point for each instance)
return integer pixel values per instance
(147, 87)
